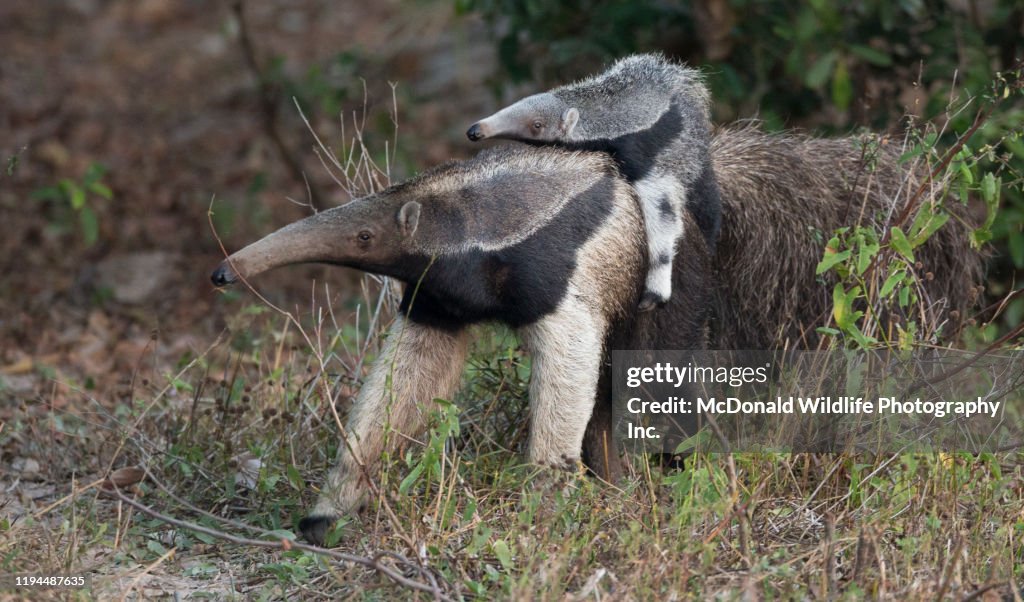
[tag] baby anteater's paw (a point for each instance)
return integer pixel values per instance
(651, 300)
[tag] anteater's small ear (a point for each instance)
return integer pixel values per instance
(570, 118)
(409, 218)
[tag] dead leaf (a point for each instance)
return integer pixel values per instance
(26, 466)
(19, 367)
(124, 477)
(248, 470)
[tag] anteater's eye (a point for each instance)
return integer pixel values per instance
(538, 125)
(365, 235)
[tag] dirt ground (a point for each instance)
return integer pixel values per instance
(158, 92)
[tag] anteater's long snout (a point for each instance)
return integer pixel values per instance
(475, 132)
(223, 275)
(308, 240)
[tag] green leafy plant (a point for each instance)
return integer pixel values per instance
(80, 198)
(427, 465)
(877, 273)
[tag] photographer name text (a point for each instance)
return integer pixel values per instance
(815, 405)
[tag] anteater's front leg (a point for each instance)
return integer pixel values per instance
(566, 347)
(418, 364)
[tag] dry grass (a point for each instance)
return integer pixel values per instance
(775, 525)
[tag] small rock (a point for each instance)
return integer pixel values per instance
(19, 384)
(25, 466)
(136, 277)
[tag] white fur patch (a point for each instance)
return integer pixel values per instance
(567, 347)
(664, 226)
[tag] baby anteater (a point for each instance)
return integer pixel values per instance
(652, 116)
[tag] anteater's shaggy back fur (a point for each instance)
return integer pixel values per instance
(782, 197)
(778, 191)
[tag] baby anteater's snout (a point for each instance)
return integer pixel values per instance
(223, 275)
(475, 132)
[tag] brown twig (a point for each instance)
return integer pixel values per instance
(223, 519)
(951, 565)
(978, 593)
(914, 387)
(830, 555)
(999, 305)
(284, 544)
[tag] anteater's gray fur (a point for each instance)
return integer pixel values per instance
(777, 192)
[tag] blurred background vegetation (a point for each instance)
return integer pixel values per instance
(828, 67)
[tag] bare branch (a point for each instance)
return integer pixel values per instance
(285, 545)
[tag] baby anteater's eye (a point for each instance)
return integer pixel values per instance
(538, 125)
(365, 236)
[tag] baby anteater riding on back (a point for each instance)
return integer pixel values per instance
(653, 117)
